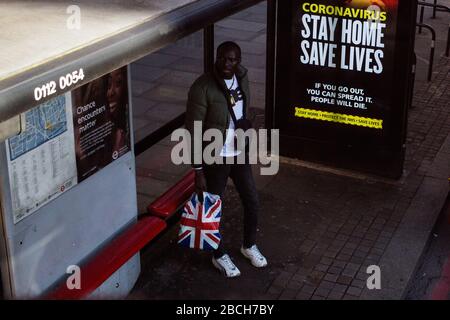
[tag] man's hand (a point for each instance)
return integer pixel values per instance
(366, 3)
(200, 184)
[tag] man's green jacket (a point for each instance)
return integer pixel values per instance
(209, 102)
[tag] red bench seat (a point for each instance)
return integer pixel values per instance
(169, 202)
(110, 258)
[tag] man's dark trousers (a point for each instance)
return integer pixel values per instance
(216, 176)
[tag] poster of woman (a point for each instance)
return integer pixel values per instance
(117, 102)
(101, 122)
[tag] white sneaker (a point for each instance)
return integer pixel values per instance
(227, 266)
(255, 256)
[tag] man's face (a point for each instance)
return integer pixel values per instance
(227, 62)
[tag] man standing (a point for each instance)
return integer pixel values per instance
(211, 99)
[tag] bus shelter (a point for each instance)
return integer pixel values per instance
(67, 156)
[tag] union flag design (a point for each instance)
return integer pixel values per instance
(199, 224)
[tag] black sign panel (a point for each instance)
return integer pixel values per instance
(342, 81)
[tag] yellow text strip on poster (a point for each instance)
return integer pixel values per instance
(339, 118)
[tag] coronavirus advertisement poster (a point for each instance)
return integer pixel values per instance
(355, 42)
(338, 81)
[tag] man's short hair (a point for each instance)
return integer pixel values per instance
(229, 45)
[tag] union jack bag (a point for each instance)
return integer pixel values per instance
(199, 224)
